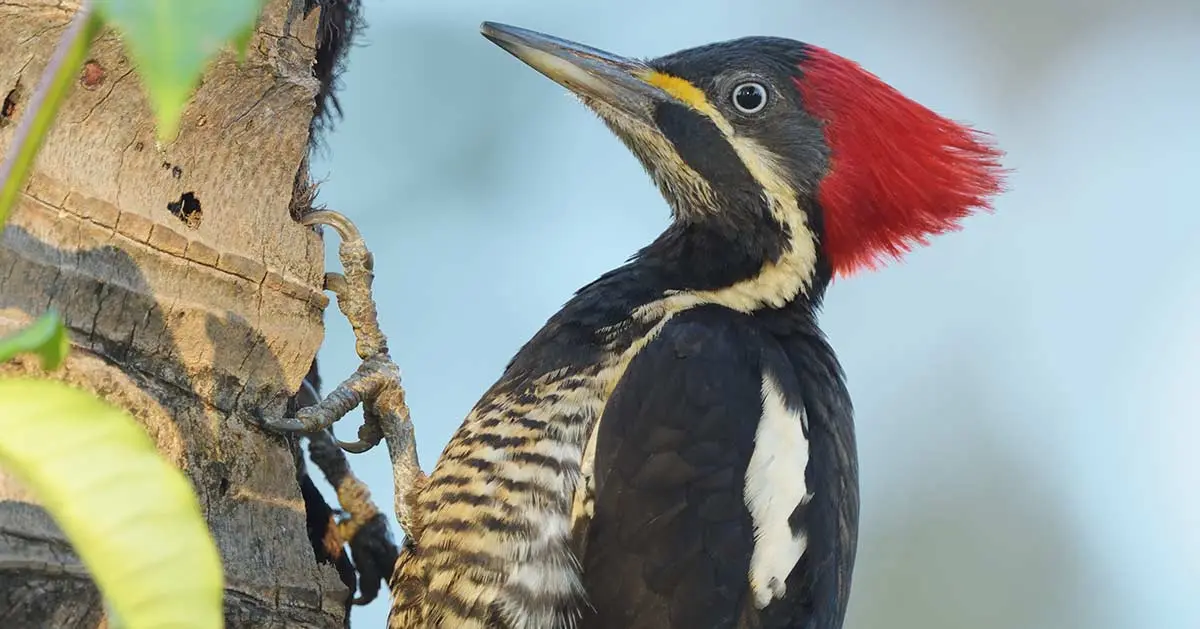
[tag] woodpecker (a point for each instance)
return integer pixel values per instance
(675, 448)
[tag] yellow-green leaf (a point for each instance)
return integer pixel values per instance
(132, 516)
(171, 42)
(46, 337)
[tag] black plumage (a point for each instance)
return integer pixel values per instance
(670, 540)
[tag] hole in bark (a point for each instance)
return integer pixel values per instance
(187, 209)
(8, 110)
(223, 486)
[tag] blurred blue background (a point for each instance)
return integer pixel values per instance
(1025, 389)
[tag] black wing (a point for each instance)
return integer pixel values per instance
(671, 537)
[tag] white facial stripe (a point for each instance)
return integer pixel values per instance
(775, 486)
(778, 282)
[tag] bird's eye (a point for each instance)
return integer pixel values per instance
(749, 98)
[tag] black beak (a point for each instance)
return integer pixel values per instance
(588, 72)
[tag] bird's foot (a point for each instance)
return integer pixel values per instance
(361, 527)
(375, 384)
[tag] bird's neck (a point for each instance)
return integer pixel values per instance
(764, 263)
(755, 267)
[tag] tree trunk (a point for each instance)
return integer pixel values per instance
(192, 296)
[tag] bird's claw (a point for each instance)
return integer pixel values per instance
(375, 384)
(358, 446)
(374, 376)
(377, 371)
(369, 436)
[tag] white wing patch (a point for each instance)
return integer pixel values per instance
(775, 486)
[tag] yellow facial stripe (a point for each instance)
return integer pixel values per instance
(778, 282)
(753, 155)
(683, 91)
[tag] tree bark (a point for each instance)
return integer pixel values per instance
(192, 296)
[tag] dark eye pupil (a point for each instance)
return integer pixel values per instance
(749, 97)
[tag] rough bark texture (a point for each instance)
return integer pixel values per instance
(192, 297)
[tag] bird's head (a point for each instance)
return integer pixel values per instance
(779, 148)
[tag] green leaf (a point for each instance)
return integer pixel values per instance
(57, 80)
(46, 337)
(171, 41)
(131, 516)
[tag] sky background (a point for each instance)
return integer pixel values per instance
(1026, 396)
